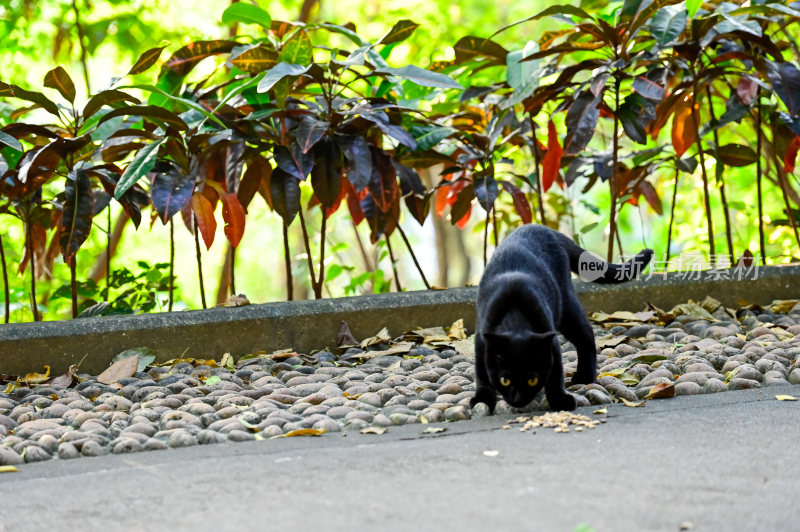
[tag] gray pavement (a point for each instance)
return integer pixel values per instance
(729, 461)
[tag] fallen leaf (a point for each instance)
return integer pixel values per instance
(300, 432)
(146, 356)
(601, 411)
(37, 378)
(782, 306)
(381, 337)
(494, 452)
(631, 403)
(65, 380)
(432, 334)
(434, 430)
(610, 340)
(236, 301)
(397, 349)
(120, 369)
(629, 379)
(457, 330)
(786, 398)
(212, 380)
(248, 425)
(613, 373)
(647, 359)
(693, 310)
(227, 362)
(423, 419)
(710, 304)
(8, 469)
(465, 347)
(345, 337)
(661, 391)
(373, 430)
(620, 315)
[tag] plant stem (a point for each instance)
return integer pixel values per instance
(613, 180)
(761, 242)
(287, 259)
(199, 264)
(539, 197)
(32, 259)
(73, 284)
(233, 271)
(394, 266)
(108, 252)
(721, 181)
(671, 217)
(171, 263)
(321, 277)
(702, 156)
(79, 27)
(494, 225)
(413, 256)
(308, 253)
(367, 262)
(486, 236)
(6, 290)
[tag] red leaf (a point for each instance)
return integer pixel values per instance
(747, 89)
(651, 196)
(354, 200)
(552, 159)
(234, 216)
(204, 213)
(791, 155)
(684, 129)
(464, 219)
(520, 202)
(441, 199)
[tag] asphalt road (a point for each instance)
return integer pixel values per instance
(729, 461)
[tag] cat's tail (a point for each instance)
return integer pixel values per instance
(590, 267)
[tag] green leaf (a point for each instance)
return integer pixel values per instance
(35, 97)
(146, 60)
(422, 77)
(141, 164)
(107, 97)
(646, 359)
(253, 59)
(731, 24)
(692, 6)
(10, 141)
(567, 10)
(668, 23)
(401, 31)
(428, 136)
(278, 72)
(297, 50)
(212, 380)
(246, 14)
(148, 111)
(736, 154)
(59, 79)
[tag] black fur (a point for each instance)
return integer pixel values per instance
(524, 297)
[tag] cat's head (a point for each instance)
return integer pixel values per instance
(518, 364)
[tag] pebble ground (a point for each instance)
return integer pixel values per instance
(175, 406)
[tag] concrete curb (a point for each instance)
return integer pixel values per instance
(307, 325)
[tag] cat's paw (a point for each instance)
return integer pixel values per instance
(563, 402)
(486, 397)
(585, 377)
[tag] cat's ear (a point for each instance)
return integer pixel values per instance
(542, 337)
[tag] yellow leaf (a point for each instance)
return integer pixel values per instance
(457, 331)
(631, 403)
(610, 340)
(248, 425)
(227, 361)
(786, 398)
(601, 411)
(613, 373)
(423, 419)
(373, 430)
(493, 452)
(37, 378)
(301, 432)
(8, 469)
(661, 391)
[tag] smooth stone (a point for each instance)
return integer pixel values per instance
(355, 424)
(418, 404)
(697, 378)
(596, 397)
(456, 413)
(714, 386)
(9, 457)
(478, 411)
(688, 388)
(371, 398)
(240, 435)
(181, 438)
(794, 376)
(359, 414)
(67, 451)
(774, 378)
(381, 420)
(327, 424)
(92, 448)
(154, 444)
(403, 419)
(49, 443)
(127, 446)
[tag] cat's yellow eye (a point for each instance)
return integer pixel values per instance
(505, 381)
(533, 382)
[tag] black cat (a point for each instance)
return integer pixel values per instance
(524, 297)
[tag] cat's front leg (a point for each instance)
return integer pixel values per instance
(557, 397)
(484, 392)
(576, 329)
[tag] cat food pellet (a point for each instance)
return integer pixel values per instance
(506, 427)
(559, 421)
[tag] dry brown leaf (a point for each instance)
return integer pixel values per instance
(786, 398)
(120, 369)
(300, 432)
(381, 337)
(610, 340)
(398, 349)
(432, 334)
(65, 380)
(465, 347)
(710, 304)
(345, 336)
(373, 430)
(631, 403)
(782, 306)
(693, 310)
(661, 391)
(457, 330)
(236, 301)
